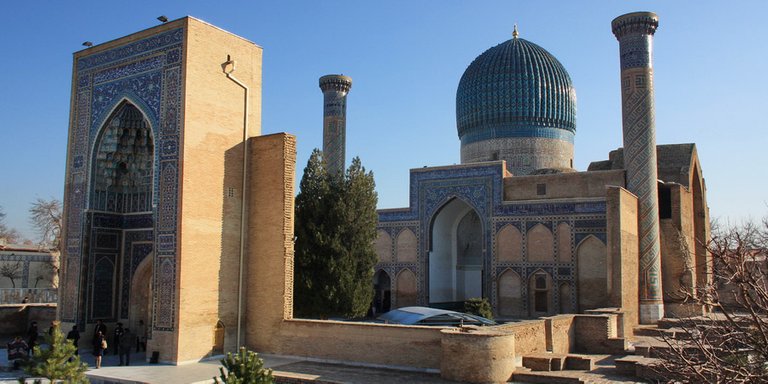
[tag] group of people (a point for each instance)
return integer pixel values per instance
(123, 342)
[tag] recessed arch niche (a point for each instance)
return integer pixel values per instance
(122, 164)
(456, 254)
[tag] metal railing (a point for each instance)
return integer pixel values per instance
(35, 295)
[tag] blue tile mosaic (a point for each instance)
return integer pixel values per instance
(147, 74)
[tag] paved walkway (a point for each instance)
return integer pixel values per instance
(140, 372)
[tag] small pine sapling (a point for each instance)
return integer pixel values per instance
(56, 362)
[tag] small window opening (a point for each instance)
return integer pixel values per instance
(541, 189)
(665, 202)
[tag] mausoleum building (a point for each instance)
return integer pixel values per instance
(515, 223)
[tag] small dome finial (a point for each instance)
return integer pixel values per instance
(515, 33)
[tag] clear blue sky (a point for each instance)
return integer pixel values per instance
(406, 58)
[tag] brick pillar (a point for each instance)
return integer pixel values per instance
(635, 34)
(335, 89)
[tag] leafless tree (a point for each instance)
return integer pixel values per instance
(45, 216)
(10, 235)
(730, 345)
(12, 271)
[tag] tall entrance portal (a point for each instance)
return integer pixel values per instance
(120, 219)
(456, 255)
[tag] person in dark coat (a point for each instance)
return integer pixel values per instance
(32, 334)
(117, 336)
(141, 337)
(125, 346)
(74, 335)
(100, 327)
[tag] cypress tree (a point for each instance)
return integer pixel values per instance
(335, 229)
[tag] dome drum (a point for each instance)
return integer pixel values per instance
(523, 156)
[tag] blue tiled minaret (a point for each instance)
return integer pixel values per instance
(635, 34)
(335, 89)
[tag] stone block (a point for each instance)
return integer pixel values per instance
(538, 362)
(626, 365)
(579, 363)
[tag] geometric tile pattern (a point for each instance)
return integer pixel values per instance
(335, 89)
(481, 187)
(146, 73)
(635, 33)
(514, 86)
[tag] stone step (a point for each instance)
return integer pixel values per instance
(558, 362)
(523, 375)
(638, 366)
(669, 333)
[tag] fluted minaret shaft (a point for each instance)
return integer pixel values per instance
(335, 89)
(635, 34)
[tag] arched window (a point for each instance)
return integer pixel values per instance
(540, 294)
(510, 303)
(383, 246)
(509, 244)
(540, 244)
(406, 289)
(406, 246)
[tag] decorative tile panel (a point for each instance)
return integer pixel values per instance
(146, 73)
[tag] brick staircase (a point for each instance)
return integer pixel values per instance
(636, 364)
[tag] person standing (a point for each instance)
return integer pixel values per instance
(117, 336)
(126, 342)
(99, 346)
(50, 329)
(100, 327)
(32, 335)
(74, 335)
(141, 337)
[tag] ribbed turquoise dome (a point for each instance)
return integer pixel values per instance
(515, 89)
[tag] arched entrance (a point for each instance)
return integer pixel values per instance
(120, 215)
(141, 295)
(456, 255)
(218, 339)
(382, 299)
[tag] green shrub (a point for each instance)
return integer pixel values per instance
(244, 368)
(479, 306)
(57, 362)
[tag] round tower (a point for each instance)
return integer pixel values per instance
(516, 102)
(635, 34)
(335, 89)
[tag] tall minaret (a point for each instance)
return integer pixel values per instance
(335, 89)
(635, 34)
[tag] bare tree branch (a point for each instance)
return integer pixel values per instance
(730, 345)
(45, 216)
(10, 235)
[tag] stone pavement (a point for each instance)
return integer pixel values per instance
(299, 370)
(141, 372)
